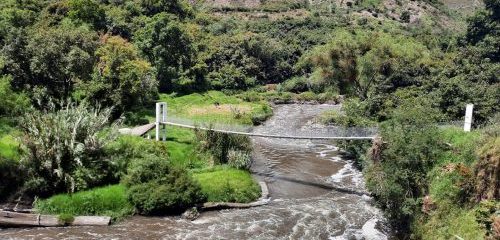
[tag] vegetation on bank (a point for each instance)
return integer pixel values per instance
(227, 185)
(404, 64)
(433, 182)
(159, 178)
(101, 201)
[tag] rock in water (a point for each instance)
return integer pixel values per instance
(191, 214)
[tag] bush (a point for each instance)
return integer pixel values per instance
(103, 201)
(220, 144)
(295, 85)
(353, 114)
(239, 159)
(155, 188)
(65, 148)
(397, 177)
(127, 149)
(261, 114)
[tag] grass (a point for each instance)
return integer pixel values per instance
(9, 146)
(451, 217)
(454, 224)
(214, 106)
(102, 201)
(182, 150)
(225, 184)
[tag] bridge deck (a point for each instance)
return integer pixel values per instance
(141, 130)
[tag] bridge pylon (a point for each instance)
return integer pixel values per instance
(161, 118)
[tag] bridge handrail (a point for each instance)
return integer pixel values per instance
(269, 135)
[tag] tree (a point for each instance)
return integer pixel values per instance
(87, 11)
(168, 47)
(366, 64)
(178, 7)
(53, 58)
(251, 55)
(473, 75)
(120, 77)
(11, 103)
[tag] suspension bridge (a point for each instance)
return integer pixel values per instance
(321, 133)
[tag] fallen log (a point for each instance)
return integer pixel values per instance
(15, 219)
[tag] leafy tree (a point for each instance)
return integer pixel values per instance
(473, 75)
(166, 44)
(11, 103)
(250, 56)
(120, 77)
(87, 11)
(16, 14)
(483, 30)
(178, 7)
(365, 64)
(54, 58)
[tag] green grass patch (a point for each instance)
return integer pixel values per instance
(182, 150)
(9, 145)
(453, 224)
(225, 184)
(215, 107)
(453, 217)
(102, 201)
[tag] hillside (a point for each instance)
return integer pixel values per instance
(403, 11)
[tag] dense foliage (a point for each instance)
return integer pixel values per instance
(155, 187)
(408, 64)
(65, 148)
(226, 148)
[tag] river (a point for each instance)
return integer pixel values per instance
(314, 194)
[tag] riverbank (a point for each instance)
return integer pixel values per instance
(215, 179)
(299, 206)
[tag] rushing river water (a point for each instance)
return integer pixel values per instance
(314, 194)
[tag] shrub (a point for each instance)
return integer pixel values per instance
(65, 148)
(487, 170)
(219, 144)
(239, 159)
(127, 149)
(295, 85)
(397, 177)
(156, 188)
(261, 114)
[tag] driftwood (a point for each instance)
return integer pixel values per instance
(16, 219)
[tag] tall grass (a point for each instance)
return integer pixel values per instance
(103, 201)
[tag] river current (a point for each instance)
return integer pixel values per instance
(314, 194)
